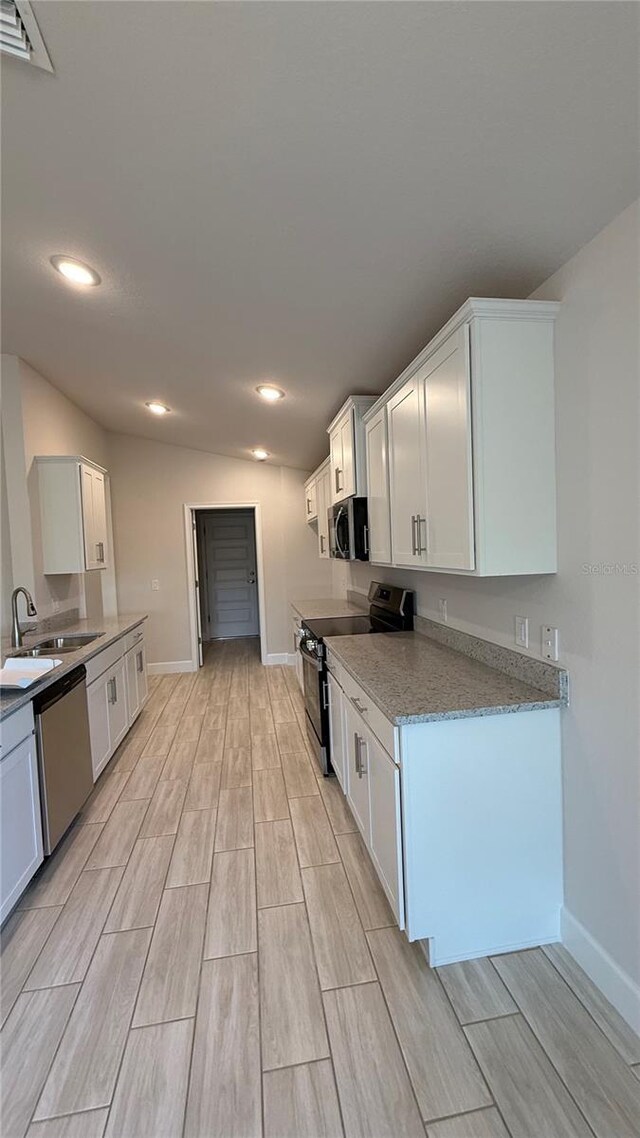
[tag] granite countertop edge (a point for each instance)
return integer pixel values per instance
(544, 703)
(115, 627)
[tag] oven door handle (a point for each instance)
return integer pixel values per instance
(317, 664)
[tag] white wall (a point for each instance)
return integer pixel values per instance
(597, 611)
(150, 484)
(6, 568)
(46, 423)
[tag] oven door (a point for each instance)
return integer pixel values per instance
(315, 704)
(340, 535)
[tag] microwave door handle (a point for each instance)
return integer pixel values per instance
(341, 551)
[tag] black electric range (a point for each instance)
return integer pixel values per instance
(390, 610)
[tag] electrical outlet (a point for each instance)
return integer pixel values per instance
(155, 584)
(549, 642)
(442, 609)
(522, 631)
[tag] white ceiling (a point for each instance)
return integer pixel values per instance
(296, 192)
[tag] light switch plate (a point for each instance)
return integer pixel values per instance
(155, 584)
(549, 642)
(522, 631)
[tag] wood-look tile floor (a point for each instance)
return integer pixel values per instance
(209, 954)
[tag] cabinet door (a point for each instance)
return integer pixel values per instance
(336, 464)
(117, 696)
(141, 674)
(133, 702)
(323, 497)
(447, 531)
(310, 505)
(99, 730)
(336, 732)
(100, 519)
(386, 832)
(20, 823)
(348, 479)
(88, 518)
(378, 490)
(406, 473)
(356, 767)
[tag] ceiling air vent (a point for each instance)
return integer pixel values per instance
(20, 35)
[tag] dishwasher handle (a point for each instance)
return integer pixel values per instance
(58, 690)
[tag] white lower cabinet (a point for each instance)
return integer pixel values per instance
(357, 759)
(463, 822)
(116, 692)
(336, 732)
(386, 826)
(118, 709)
(100, 734)
(20, 822)
(296, 625)
(374, 797)
(137, 685)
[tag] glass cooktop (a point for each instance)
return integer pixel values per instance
(339, 626)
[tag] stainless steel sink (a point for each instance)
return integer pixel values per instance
(70, 642)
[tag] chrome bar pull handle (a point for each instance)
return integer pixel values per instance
(414, 549)
(358, 705)
(363, 755)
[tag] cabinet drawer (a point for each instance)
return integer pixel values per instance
(99, 664)
(134, 637)
(382, 728)
(15, 728)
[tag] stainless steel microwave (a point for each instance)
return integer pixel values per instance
(349, 530)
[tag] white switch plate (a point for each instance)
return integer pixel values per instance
(522, 631)
(442, 609)
(549, 642)
(155, 584)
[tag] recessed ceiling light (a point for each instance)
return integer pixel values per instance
(158, 408)
(260, 453)
(270, 393)
(75, 271)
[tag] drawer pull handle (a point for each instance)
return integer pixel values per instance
(358, 705)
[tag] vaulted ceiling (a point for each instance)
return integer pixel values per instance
(295, 192)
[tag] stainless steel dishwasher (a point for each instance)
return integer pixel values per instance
(64, 753)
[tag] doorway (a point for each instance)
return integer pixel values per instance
(224, 556)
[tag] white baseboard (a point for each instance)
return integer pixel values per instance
(288, 658)
(616, 985)
(166, 666)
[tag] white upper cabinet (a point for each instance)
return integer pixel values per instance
(323, 501)
(310, 499)
(73, 511)
(408, 499)
(471, 445)
(378, 488)
(94, 517)
(347, 449)
(447, 530)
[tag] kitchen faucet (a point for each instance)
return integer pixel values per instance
(16, 634)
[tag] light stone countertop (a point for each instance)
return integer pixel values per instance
(413, 679)
(327, 607)
(110, 629)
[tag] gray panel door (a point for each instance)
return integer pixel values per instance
(231, 575)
